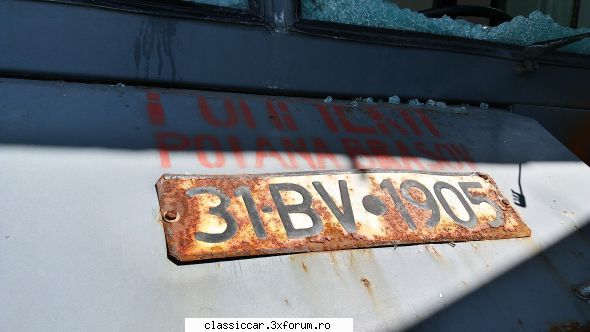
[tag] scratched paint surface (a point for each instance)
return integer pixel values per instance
(207, 217)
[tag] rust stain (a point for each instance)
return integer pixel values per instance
(333, 258)
(431, 249)
(351, 259)
(185, 216)
(366, 283)
(304, 266)
(417, 195)
(571, 327)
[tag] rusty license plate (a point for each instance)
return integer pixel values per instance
(211, 217)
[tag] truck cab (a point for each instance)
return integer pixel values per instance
(146, 145)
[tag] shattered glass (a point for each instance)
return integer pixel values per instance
(238, 4)
(394, 100)
(386, 14)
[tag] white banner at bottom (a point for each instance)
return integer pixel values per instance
(268, 324)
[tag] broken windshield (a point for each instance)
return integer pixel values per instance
(520, 30)
(238, 4)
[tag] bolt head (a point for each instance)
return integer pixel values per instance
(170, 215)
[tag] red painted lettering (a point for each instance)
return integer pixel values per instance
(410, 122)
(323, 153)
(153, 96)
(170, 141)
(231, 117)
(441, 148)
(300, 148)
(429, 125)
(287, 118)
(216, 148)
(264, 149)
(155, 109)
(281, 120)
(235, 146)
(381, 152)
(408, 158)
(354, 150)
(460, 152)
(250, 122)
(438, 158)
(383, 122)
(325, 113)
(348, 125)
(273, 115)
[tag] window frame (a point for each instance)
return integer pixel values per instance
(406, 38)
(254, 15)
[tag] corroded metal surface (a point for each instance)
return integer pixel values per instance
(210, 217)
